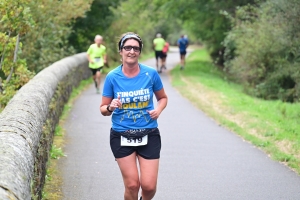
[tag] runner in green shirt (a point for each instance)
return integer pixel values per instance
(97, 58)
(159, 44)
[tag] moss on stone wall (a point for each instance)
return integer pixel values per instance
(56, 106)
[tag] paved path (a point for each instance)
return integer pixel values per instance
(199, 159)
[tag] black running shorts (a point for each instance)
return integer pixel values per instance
(182, 53)
(158, 54)
(94, 71)
(149, 151)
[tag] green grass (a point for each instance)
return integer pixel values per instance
(146, 55)
(56, 152)
(275, 123)
(58, 131)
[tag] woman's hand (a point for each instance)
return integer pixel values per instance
(115, 103)
(162, 101)
(154, 114)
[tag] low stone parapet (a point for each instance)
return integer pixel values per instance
(27, 126)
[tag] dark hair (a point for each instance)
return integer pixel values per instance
(130, 35)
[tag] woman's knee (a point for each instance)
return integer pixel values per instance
(133, 186)
(148, 188)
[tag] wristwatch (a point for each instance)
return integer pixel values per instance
(107, 108)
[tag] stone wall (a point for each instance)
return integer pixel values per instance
(27, 126)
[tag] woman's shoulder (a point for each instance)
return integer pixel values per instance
(146, 68)
(114, 72)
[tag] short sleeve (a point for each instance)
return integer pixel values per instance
(108, 90)
(157, 85)
(89, 51)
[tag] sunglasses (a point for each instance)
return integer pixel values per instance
(135, 49)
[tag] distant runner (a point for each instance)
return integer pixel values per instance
(182, 43)
(158, 44)
(164, 55)
(97, 58)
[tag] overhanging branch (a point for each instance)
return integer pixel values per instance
(15, 58)
(6, 43)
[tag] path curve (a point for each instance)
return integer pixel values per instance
(199, 159)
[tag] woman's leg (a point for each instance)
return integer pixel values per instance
(148, 177)
(129, 170)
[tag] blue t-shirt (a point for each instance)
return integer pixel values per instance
(182, 42)
(136, 95)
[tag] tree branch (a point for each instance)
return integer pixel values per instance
(15, 59)
(1, 88)
(6, 43)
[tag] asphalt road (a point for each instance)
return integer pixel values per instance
(199, 159)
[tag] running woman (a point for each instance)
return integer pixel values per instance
(97, 58)
(134, 137)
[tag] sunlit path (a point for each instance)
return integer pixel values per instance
(199, 159)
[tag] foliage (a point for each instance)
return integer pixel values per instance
(143, 18)
(203, 19)
(133, 21)
(15, 20)
(56, 152)
(262, 49)
(117, 17)
(96, 21)
(33, 35)
(47, 41)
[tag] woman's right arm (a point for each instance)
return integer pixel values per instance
(104, 104)
(114, 103)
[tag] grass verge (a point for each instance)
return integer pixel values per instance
(272, 126)
(52, 187)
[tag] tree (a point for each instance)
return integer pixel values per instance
(32, 36)
(47, 41)
(262, 49)
(204, 19)
(16, 21)
(141, 17)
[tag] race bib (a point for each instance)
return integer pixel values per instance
(134, 142)
(97, 60)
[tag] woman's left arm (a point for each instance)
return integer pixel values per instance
(162, 100)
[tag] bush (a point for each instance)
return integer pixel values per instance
(262, 49)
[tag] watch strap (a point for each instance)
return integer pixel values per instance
(107, 108)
